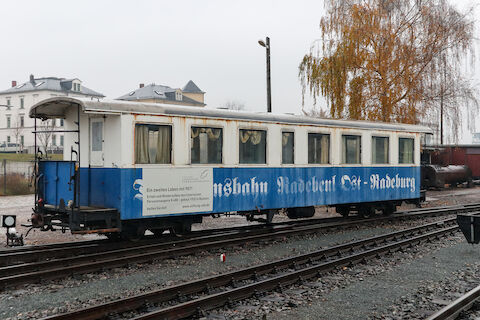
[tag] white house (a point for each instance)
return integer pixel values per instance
(15, 102)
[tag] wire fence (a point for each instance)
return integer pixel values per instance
(16, 177)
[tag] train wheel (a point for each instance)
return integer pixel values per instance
(470, 183)
(389, 209)
(181, 229)
(343, 210)
(133, 232)
(366, 211)
(158, 232)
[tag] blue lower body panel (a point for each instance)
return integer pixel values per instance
(158, 192)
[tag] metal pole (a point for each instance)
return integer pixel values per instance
(35, 164)
(269, 89)
(5, 177)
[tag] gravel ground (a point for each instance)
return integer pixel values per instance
(98, 287)
(351, 288)
(394, 288)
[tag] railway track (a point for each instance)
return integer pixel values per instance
(109, 256)
(463, 303)
(195, 297)
(58, 250)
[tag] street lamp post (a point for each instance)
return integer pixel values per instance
(266, 44)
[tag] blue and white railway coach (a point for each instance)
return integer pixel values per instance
(131, 167)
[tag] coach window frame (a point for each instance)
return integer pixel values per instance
(330, 148)
(172, 143)
(389, 158)
(359, 134)
(282, 131)
(254, 128)
(414, 158)
(203, 125)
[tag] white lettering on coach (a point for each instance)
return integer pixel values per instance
(235, 187)
(387, 182)
(285, 186)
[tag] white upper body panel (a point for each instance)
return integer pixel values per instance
(120, 117)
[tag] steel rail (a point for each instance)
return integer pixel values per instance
(452, 310)
(14, 275)
(60, 250)
(314, 264)
(92, 242)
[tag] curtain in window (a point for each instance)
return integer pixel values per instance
(287, 148)
(212, 133)
(163, 145)
(407, 154)
(351, 149)
(285, 138)
(325, 149)
(254, 136)
(141, 144)
(385, 150)
(252, 146)
(206, 146)
(380, 150)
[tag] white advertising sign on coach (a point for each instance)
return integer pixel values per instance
(182, 190)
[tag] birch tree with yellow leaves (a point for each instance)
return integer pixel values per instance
(390, 60)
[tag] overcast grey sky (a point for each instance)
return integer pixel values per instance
(112, 46)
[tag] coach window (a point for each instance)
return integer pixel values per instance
(351, 149)
(252, 146)
(379, 150)
(153, 143)
(288, 147)
(405, 150)
(206, 145)
(318, 148)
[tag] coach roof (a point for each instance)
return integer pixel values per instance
(56, 107)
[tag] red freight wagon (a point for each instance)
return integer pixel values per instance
(468, 155)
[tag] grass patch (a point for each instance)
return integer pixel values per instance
(26, 157)
(17, 184)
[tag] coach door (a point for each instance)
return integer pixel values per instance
(96, 142)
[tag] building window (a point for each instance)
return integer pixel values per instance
(153, 144)
(61, 141)
(405, 150)
(288, 147)
(8, 121)
(206, 146)
(318, 148)
(351, 149)
(61, 122)
(22, 121)
(8, 139)
(380, 150)
(54, 140)
(178, 96)
(8, 104)
(22, 103)
(253, 146)
(22, 141)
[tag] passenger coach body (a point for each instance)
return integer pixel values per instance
(151, 166)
